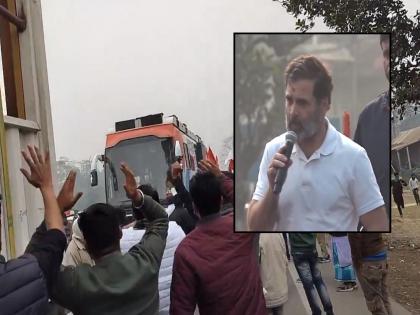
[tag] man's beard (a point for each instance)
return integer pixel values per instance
(306, 130)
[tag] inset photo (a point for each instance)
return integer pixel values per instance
(312, 132)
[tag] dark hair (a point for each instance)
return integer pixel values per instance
(206, 193)
(100, 225)
(310, 68)
(228, 175)
(147, 189)
(383, 38)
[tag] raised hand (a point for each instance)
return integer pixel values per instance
(175, 170)
(66, 198)
(208, 166)
(130, 185)
(39, 166)
(279, 161)
(40, 177)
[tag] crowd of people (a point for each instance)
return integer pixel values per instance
(398, 184)
(186, 258)
(157, 266)
(349, 261)
(178, 260)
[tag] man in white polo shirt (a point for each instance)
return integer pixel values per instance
(330, 183)
(414, 186)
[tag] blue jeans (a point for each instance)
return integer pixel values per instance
(306, 266)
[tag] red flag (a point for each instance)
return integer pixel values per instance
(346, 124)
(211, 157)
(231, 166)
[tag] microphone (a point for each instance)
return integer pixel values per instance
(281, 174)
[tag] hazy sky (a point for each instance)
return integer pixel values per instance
(116, 60)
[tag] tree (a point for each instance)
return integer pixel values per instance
(372, 16)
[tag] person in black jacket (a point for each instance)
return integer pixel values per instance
(26, 279)
(397, 192)
(183, 214)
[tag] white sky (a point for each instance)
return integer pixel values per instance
(116, 60)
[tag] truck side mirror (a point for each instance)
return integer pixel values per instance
(93, 178)
(178, 151)
(93, 171)
(199, 152)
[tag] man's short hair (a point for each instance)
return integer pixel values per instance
(100, 225)
(383, 38)
(147, 189)
(310, 68)
(228, 175)
(206, 193)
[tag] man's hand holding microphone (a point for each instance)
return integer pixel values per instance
(277, 170)
(263, 214)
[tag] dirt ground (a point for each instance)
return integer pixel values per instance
(404, 255)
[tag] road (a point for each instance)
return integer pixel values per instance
(344, 303)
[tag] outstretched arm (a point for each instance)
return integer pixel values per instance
(47, 247)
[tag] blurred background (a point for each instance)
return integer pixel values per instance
(354, 61)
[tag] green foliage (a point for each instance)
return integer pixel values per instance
(372, 16)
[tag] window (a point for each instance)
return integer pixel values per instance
(2, 94)
(11, 83)
(187, 156)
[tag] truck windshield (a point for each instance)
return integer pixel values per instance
(149, 158)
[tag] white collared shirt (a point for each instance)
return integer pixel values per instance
(327, 192)
(413, 183)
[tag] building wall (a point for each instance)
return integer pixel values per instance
(26, 204)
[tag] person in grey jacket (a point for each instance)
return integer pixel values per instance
(26, 279)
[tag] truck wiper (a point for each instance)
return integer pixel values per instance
(114, 174)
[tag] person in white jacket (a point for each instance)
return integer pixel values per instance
(273, 269)
(76, 252)
(131, 236)
(414, 186)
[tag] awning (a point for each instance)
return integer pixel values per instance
(406, 138)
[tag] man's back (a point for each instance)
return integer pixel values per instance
(118, 284)
(23, 288)
(302, 242)
(113, 286)
(175, 236)
(372, 133)
(217, 269)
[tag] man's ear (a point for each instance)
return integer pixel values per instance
(325, 104)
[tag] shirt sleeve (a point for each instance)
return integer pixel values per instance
(364, 190)
(153, 242)
(183, 286)
(63, 290)
(48, 250)
(262, 184)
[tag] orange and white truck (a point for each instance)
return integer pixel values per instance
(148, 144)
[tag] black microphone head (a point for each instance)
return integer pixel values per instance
(291, 136)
